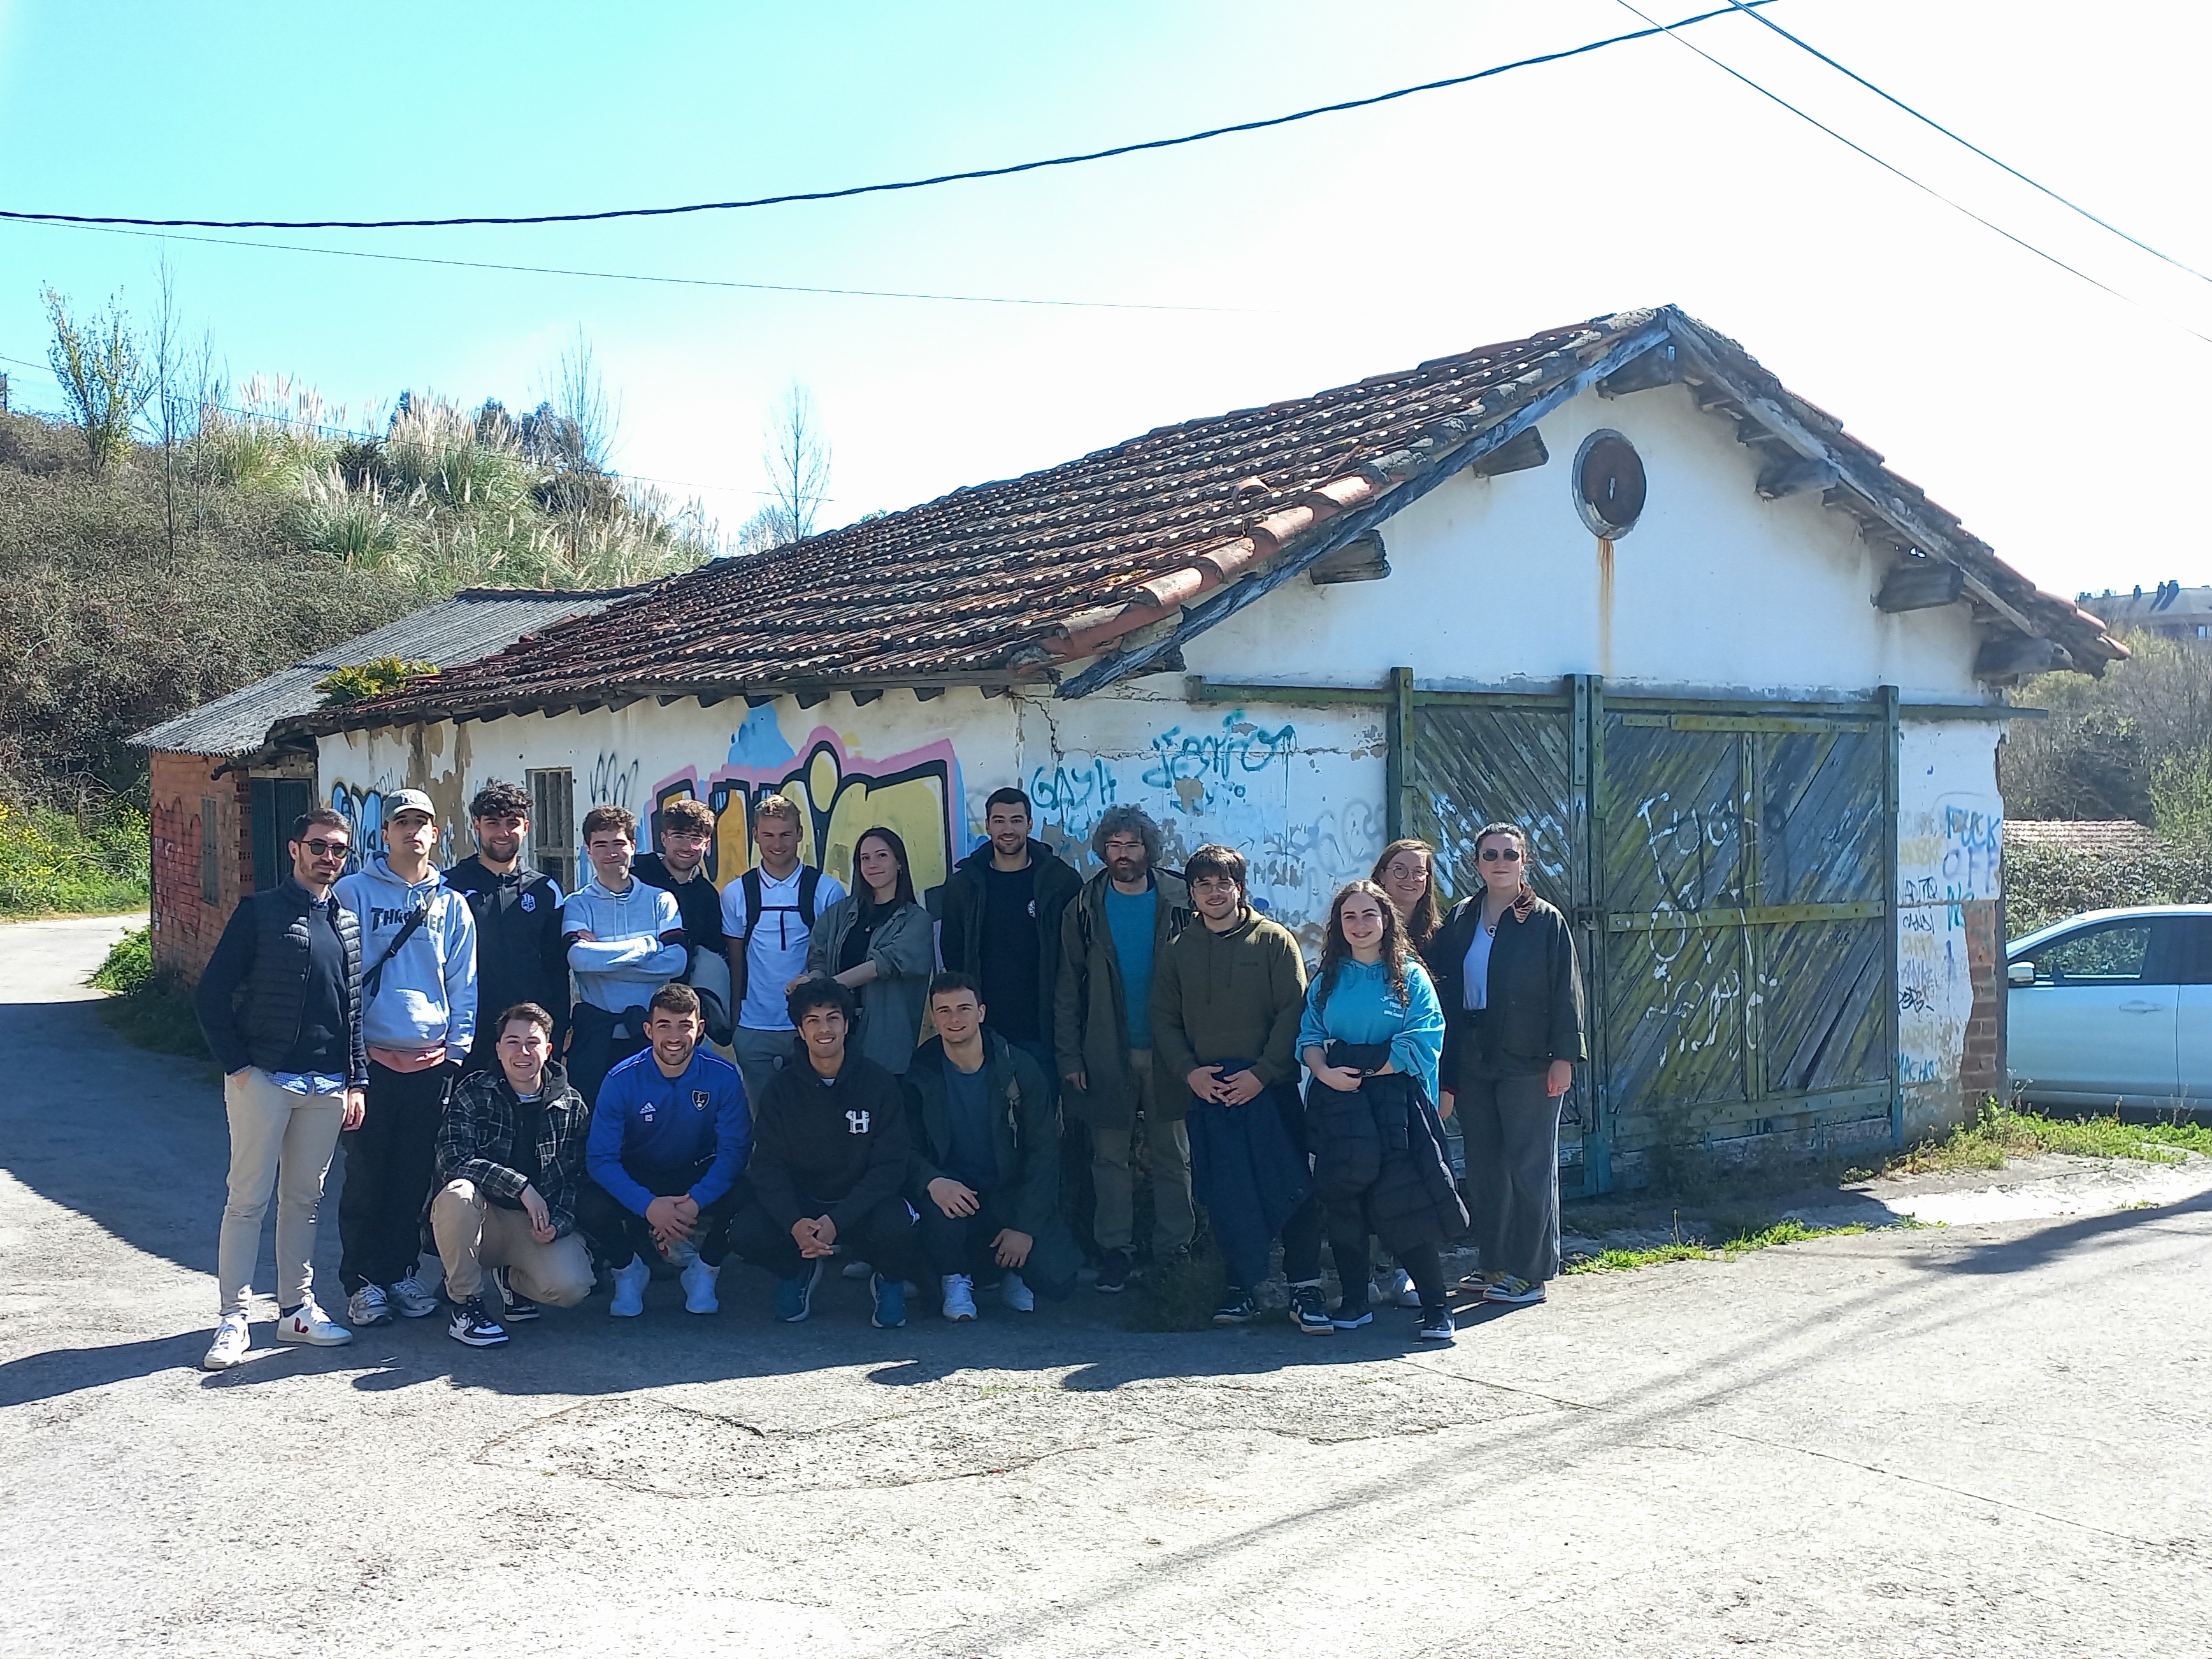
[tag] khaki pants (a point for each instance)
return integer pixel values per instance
(281, 1141)
(1167, 1158)
(473, 1233)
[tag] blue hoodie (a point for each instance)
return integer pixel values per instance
(428, 994)
(637, 943)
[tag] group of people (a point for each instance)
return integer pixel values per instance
(968, 1091)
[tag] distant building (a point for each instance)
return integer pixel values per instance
(2170, 609)
(1744, 684)
(224, 797)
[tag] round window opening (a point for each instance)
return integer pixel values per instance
(1608, 485)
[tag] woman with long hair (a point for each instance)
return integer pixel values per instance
(1407, 871)
(1371, 1037)
(876, 941)
(1513, 997)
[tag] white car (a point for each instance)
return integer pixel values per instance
(2113, 1007)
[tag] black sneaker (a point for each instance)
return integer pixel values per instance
(518, 1307)
(1350, 1315)
(1435, 1325)
(1309, 1311)
(1236, 1308)
(472, 1325)
(1113, 1273)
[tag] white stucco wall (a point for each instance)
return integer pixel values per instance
(1497, 579)
(1949, 879)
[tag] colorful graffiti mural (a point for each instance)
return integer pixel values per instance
(841, 795)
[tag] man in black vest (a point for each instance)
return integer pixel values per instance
(519, 954)
(280, 1005)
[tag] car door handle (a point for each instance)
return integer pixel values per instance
(2141, 1007)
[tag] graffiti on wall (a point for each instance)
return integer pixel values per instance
(839, 793)
(1948, 858)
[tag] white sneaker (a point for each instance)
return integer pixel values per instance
(310, 1324)
(413, 1298)
(698, 1281)
(959, 1296)
(858, 1270)
(630, 1289)
(1402, 1291)
(232, 1339)
(368, 1306)
(1016, 1295)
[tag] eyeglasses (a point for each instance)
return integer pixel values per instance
(1501, 855)
(327, 849)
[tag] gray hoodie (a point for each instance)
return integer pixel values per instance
(428, 993)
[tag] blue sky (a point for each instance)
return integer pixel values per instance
(2053, 418)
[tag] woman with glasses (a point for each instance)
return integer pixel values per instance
(877, 942)
(1406, 873)
(1505, 972)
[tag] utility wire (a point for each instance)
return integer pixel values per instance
(638, 276)
(2031, 183)
(900, 184)
(1925, 189)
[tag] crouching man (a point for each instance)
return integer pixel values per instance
(510, 1154)
(986, 1167)
(670, 1137)
(830, 1165)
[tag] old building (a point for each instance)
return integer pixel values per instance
(222, 799)
(1744, 684)
(2169, 609)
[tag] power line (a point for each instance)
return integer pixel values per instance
(1925, 189)
(637, 277)
(882, 189)
(2031, 183)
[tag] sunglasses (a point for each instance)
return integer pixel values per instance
(327, 849)
(1501, 855)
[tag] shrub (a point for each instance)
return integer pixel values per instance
(373, 678)
(2043, 884)
(52, 863)
(148, 1007)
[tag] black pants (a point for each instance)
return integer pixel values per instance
(961, 1243)
(615, 1232)
(885, 1238)
(390, 1161)
(594, 1049)
(1348, 1230)
(1511, 1125)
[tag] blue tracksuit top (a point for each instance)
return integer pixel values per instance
(1362, 1010)
(649, 1119)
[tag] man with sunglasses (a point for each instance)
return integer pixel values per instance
(280, 1005)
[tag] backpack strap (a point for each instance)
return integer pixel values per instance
(750, 882)
(810, 881)
(374, 976)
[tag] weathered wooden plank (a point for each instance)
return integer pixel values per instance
(1660, 922)
(1921, 585)
(1697, 722)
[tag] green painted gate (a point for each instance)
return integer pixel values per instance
(1727, 875)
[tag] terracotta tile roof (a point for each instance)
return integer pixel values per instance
(2093, 835)
(1002, 581)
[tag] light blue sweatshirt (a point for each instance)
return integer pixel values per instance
(1362, 1010)
(428, 993)
(637, 945)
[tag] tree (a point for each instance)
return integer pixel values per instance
(178, 381)
(795, 456)
(571, 433)
(103, 378)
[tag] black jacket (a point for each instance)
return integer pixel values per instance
(253, 989)
(1025, 1137)
(520, 955)
(1381, 1146)
(960, 942)
(1533, 999)
(842, 1148)
(476, 1141)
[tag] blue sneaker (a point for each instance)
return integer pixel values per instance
(890, 1302)
(794, 1298)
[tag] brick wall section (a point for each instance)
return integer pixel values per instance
(1982, 1064)
(186, 927)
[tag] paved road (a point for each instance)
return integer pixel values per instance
(1987, 1439)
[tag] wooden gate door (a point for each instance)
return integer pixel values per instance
(1747, 957)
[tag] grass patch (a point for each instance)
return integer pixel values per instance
(1999, 1133)
(1737, 1241)
(59, 864)
(1181, 1294)
(146, 1006)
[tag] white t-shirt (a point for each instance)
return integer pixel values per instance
(1478, 967)
(778, 955)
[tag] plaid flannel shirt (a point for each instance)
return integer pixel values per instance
(476, 1140)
